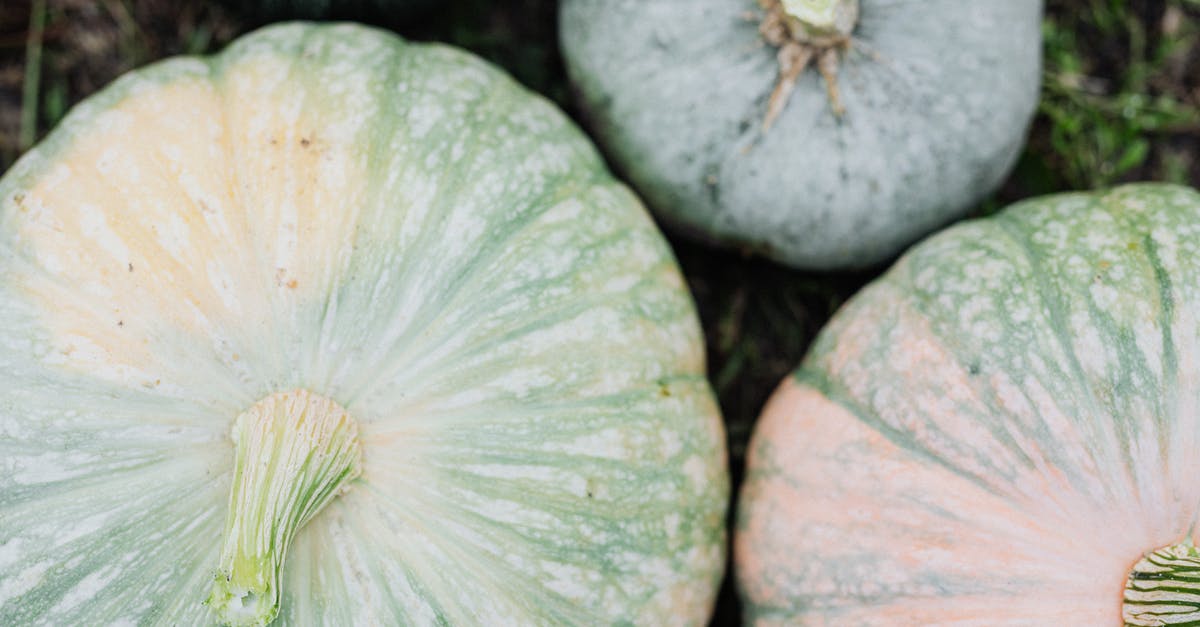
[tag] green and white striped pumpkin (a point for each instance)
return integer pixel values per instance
(329, 276)
(1003, 430)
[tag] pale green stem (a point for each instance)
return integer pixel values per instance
(1164, 588)
(294, 453)
(821, 19)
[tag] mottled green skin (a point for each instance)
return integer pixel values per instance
(498, 314)
(1078, 291)
(1028, 424)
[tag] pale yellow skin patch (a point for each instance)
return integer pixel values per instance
(131, 227)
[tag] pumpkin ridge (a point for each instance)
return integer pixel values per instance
(502, 91)
(973, 360)
(905, 273)
(1133, 365)
(829, 386)
(1053, 303)
(470, 272)
(470, 277)
(766, 527)
(1014, 434)
(509, 582)
(896, 435)
(1165, 413)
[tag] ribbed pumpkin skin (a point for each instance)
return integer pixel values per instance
(994, 432)
(398, 227)
(938, 97)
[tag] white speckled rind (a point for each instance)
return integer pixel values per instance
(993, 433)
(402, 229)
(938, 97)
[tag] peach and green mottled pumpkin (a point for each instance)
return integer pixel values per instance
(333, 329)
(1003, 430)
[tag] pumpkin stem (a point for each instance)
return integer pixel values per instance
(1164, 583)
(295, 452)
(815, 20)
(804, 30)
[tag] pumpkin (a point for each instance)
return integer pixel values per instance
(350, 331)
(1003, 430)
(825, 134)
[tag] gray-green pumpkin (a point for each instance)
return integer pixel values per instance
(367, 304)
(933, 100)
